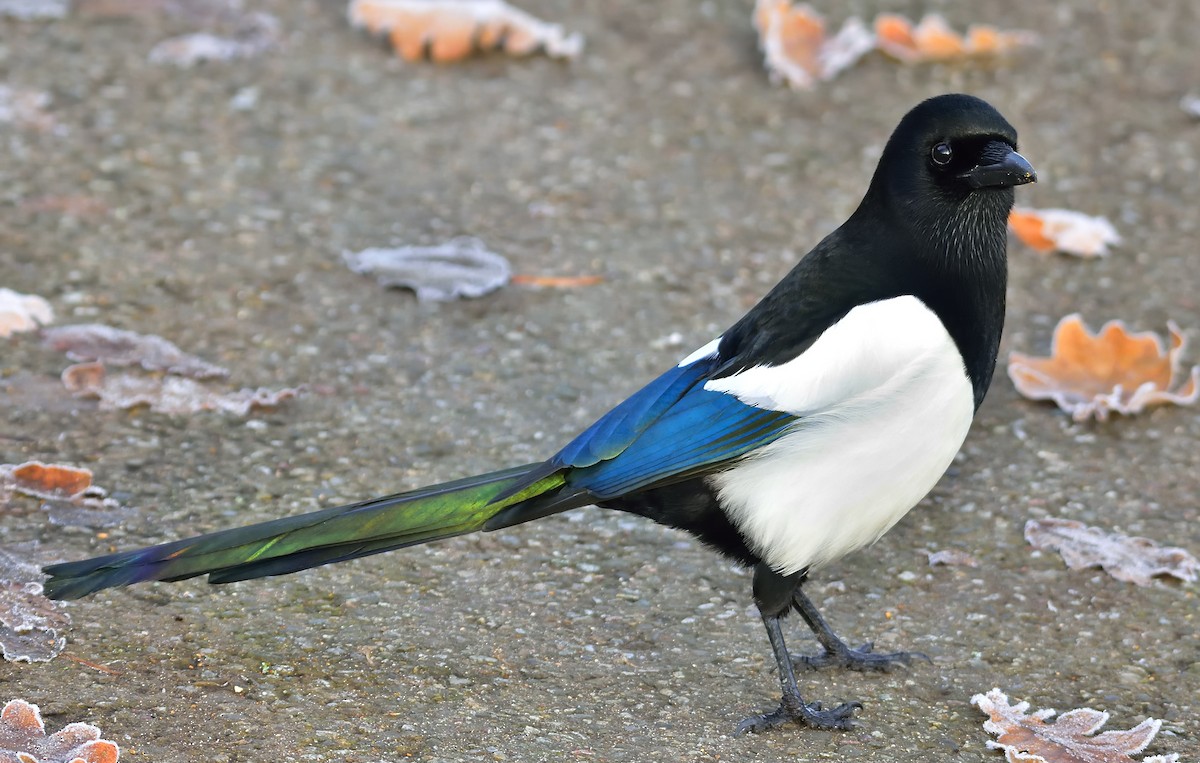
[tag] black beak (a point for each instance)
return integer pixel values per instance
(1000, 166)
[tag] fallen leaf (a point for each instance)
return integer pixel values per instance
(256, 33)
(933, 40)
(1090, 375)
(1190, 105)
(23, 739)
(461, 267)
(1028, 738)
(951, 558)
(1063, 230)
(72, 206)
(165, 394)
(88, 342)
(22, 312)
(451, 30)
(28, 10)
(46, 480)
(556, 282)
(30, 623)
(797, 50)
(1131, 559)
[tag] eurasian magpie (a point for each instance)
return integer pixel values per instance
(802, 433)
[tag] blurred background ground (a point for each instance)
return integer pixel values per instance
(665, 161)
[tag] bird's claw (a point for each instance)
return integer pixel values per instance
(809, 714)
(864, 658)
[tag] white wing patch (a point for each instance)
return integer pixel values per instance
(707, 351)
(885, 403)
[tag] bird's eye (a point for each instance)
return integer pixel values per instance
(941, 154)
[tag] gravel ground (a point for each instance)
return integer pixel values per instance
(664, 161)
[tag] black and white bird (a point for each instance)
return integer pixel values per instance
(802, 433)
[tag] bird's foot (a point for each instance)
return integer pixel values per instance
(864, 658)
(809, 714)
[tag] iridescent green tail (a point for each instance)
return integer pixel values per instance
(296, 543)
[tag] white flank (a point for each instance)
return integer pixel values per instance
(885, 403)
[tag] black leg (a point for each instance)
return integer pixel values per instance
(835, 651)
(773, 595)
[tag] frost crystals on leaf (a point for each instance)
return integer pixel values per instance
(22, 312)
(1063, 230)
(88, 342)
(1028, 738)
(23, 739)
(1091, 375)
(1131, 559)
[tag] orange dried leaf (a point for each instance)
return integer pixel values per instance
(1063, 230)
(23, 738)
(796, 48)
(932, 39)
(1092, 375)
(451, 30)
(1072, 738)
(50, 480)
(556, 282)
(1131, 559)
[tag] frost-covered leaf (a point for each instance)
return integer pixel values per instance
(88, 342)
(796, 48)
(256, 33)
(932, 39)
(1131, 559)
(165, 394)
(29, 623)
(1072, 738)
(451, 30)
(1092, 375)
(25, 108)
(461, 267)
(51, 481)
(1063, 230)
(34, 9)
(23, 739)
(22, 312)
(1190, 105)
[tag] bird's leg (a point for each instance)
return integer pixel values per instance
(773, 594)
(835, 651)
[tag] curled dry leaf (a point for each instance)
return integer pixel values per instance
(933, 40)
(1131, 559)
(50, 481)
(96, 342)
(451, 30)
(256, 33)
(22, 312)
(165, 394)
(1091, 375)
(461, 267)
(555, 282)
(796, 48)
(23, 739)
(1063, 230)
(1028, 738)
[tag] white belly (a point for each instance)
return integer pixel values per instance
(885, 403)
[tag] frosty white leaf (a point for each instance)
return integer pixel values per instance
(257, 33)
(29, 623)
(1063, 230)
(461, 267)
(167, 394)
(1131, 559)
(22, 312)
(88, 342)
(1190, 105)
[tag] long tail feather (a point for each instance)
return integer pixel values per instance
(309, 540)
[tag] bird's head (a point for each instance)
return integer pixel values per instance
(948, 172)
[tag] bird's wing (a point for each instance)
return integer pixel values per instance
(671, 428)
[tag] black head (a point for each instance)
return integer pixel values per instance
(948, 172)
